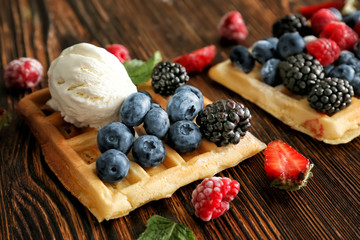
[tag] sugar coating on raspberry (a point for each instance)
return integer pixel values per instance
(212, 196)
(197, 60)
(119, 51)
(322, 18)
(341, 33)
(326, 51)
(232, 27)
(23, 73)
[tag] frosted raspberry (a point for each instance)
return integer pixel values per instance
(212, 196)
(322, 18)
(232, 27)
(23, 73)
(326, 51)
(119, 51)
(341, 33)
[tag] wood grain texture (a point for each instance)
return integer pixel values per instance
(34, 204)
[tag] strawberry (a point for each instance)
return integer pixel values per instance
(308, 11)
(285, 167)
(232, 27)
(198, 59)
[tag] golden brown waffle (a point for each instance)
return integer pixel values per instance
(71, 153)
(293, 110)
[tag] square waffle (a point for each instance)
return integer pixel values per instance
(71, 154)
(293, 110)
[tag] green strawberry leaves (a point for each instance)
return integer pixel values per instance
(161, 228)
(140, 71)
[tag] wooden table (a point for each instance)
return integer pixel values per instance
(34, 204)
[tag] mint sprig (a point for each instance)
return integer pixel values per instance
(161, 228)
(140, 71)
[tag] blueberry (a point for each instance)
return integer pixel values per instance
(156, 122)
(343, 71)
(263, 50)
(346, 57)
(112, 166)
(328, 69)
(148, 151)
(269, 72)
(337, 13)
(197, 92)
(290, 44)
(134, 109)
(242, 58)
(352, 18)
(184, 136)
(357, 49)
(273, 40)
(183, 105)
(355, 83)
(115, 135)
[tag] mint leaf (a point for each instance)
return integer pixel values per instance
(139, 71)
(161, 228)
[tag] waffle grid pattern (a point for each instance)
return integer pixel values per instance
(71, 153)
(293, 110)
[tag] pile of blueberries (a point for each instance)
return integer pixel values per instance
(175, 126)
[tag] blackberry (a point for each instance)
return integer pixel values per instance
(167, 76)
(331, 95)
(291, 23)
(300, 73)
(224, 122)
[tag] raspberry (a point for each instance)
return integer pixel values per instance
(342, 34)
(326, 51)
(232, 27)
(322, 18)
(119, 51)
(197, 60)
(23, 73)
(212, 196)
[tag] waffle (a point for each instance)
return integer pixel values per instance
(293, 110)
(71, 154)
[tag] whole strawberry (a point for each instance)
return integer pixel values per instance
(212, 196)
(285, 167)
(23, 73)
(232, 27)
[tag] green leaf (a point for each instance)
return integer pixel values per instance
(161, 228)
(139, 71)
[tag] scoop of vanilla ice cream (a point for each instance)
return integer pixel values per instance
(88, 85)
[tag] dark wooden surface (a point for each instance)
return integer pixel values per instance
(34, 204)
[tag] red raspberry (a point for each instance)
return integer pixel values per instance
(232, 27)
(357, 28)
(326, 51)
(119, 51)
(322, 18)
(23, 73)
(212, 196)
(198, 59)
(341, 33)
